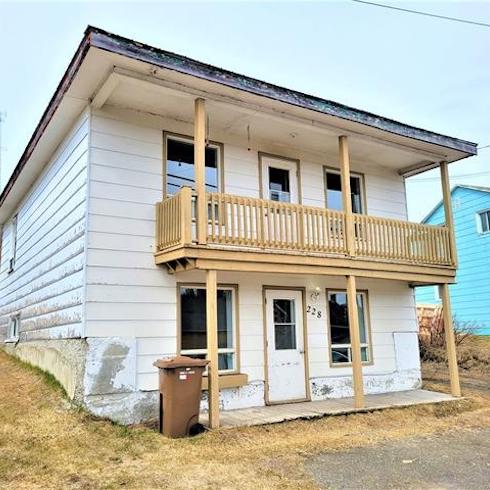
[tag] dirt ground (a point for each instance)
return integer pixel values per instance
(45, 442)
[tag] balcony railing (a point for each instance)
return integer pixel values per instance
(258, 224)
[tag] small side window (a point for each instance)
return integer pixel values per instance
(484, 221)
(13, 328)
(13, 244)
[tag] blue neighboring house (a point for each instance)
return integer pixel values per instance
(470, 296)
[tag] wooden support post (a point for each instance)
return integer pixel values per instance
(355, 342)
(346, 194)
(212, 347)
(186, 215)
(199, 167)
(450, 341)
(448, 210)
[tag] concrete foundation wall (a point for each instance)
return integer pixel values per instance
(64, 359)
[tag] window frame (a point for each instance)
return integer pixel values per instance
(479, 223)
(13, 335)
(235, 320)
(362, 186)
(190, 139)
(262, 155)
(367, 322)
(12, 257)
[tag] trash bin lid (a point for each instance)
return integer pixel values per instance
(180, 361)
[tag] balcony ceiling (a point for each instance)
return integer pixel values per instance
(293, 135)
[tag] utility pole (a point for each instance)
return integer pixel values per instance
(3, 115)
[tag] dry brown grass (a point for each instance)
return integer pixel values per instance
(45, 442)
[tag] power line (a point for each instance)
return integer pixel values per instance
(427, 14)
(461, 176)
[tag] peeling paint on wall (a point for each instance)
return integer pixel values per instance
(125, 408)
(110, 365)
(251, 395)
(339, 387)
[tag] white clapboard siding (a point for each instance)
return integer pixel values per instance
(128, 296)
(47, 284)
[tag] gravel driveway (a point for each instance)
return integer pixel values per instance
(457, 460)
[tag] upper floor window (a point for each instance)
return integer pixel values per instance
(279, 188)
(193, 338)
(180, 165)
(484, 221)
(333, 190)
(279, 178)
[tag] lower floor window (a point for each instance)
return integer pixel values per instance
(193, 339)
(14, 327)
(340, 346)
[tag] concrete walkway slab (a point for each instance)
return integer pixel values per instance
(337, 406)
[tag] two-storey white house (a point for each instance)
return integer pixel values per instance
(166, 206)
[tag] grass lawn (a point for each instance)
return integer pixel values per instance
(45, 442)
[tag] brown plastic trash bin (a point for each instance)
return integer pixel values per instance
(180, 394)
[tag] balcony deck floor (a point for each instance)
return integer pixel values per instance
(316, 409)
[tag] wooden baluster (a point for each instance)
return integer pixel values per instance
(280, 224)
(211, 202)
(313, 230)
(239, 221)
(408, 242)
(295, 227)
(233, 220)
(287, 210)
(245, 221)
(319, 233)
(301, 228)
(253, 222)
(268, 218)
(262, 224)
(398, 242)
(386, 235)
(272, 208)
(257, 223)
(377, 243)
(390, 249)
(447, 253)
(370, 226)
(285, 219)
(308, 237)
(442, 246)
(226, 212)
(321, 224)
(326, 231)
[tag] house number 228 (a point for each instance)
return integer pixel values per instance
(313, 311)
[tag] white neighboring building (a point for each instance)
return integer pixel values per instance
(94, 288)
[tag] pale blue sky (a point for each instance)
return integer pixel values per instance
(426, 72)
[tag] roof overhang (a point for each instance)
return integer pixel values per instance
(103, 59)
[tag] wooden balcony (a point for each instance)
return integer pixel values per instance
(242, 229)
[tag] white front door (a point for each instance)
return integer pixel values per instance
(279, 179)
(285, 345)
